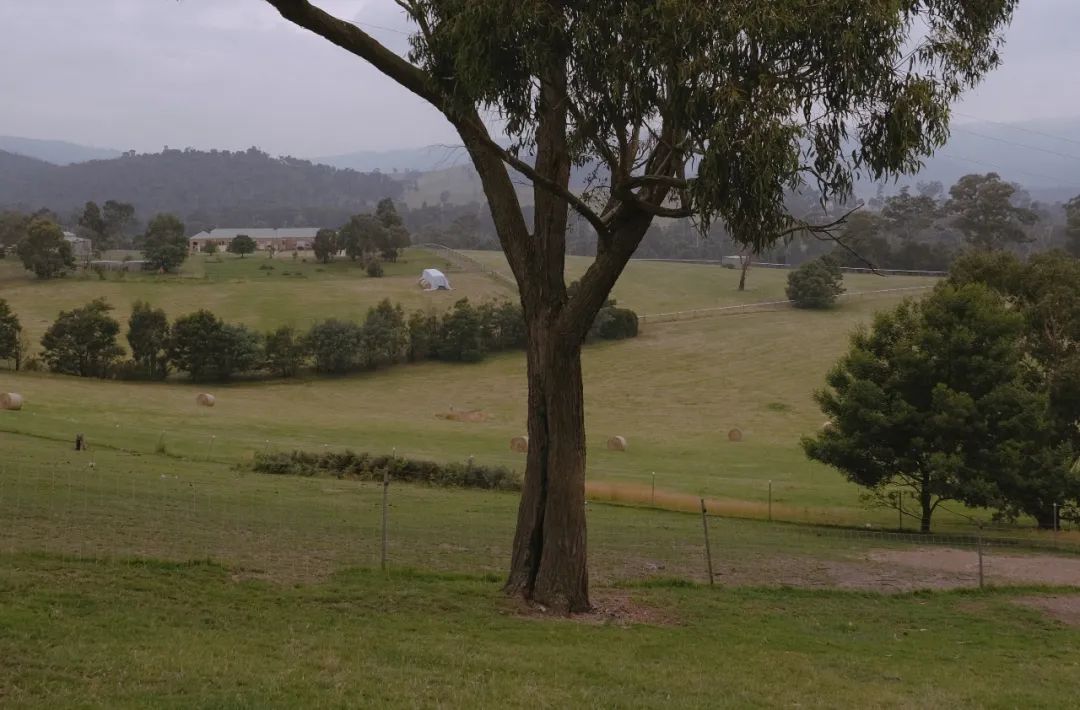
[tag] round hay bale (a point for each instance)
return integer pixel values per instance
(12, 401)
(520, 444)
(827, 426)
(616, 443)
(734, 435)
(205, 400)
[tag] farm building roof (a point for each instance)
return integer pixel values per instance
(226, 233)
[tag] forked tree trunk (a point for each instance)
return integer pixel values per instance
(745, 267)
(548, 563)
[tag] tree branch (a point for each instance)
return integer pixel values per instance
(355, 41)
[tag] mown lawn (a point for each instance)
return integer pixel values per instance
(89, 633)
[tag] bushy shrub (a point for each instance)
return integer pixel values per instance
(423, 334)
(82, 341)
(613, 323)
(285, 351)
(374, 268)
(502, 326)
(459, 338)
(815, 284)
(334, 346)
(205, 347)
(385, 337)
(363, 466)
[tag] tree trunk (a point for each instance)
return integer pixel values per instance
(745, 267)
(927, 510)
(548, 563)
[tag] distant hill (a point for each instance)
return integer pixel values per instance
(205, 189)
(55, 152)
(427, 158)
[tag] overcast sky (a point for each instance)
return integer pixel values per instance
(142, 74)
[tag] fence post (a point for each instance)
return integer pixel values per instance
(770, 501)
(708, 550)
(1056, 521)
(385, 497)
(979, 544)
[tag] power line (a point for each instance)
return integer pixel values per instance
(999, 168)
(1014, 127)
(1019, 145)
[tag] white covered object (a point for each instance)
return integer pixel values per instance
(433, 280)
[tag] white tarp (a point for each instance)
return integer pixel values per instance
(433, 280)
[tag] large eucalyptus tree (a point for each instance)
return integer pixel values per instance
(708, 109)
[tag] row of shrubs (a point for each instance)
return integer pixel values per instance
(83, 341)
(368, 467)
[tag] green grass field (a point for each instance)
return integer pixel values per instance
(147, 580)
(158, 569)
(754, 371)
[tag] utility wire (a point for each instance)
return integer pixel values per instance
(1018, 145)
(1014, 127)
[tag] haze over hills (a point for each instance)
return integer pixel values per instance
(56, 152)
(204, 188)
(1043, 156)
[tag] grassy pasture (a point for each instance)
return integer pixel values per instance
(238, 290)
(147, 580)
(181, 579)
(754, 372)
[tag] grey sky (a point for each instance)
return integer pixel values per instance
(141, 74)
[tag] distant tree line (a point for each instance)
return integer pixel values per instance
(84, 341)
(204, 188)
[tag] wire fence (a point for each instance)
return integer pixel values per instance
(467, 263)
(695, 313)
(295, 529)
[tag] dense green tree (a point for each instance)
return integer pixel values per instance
(423, 335)
(92, 226)
(82, 341)
(502, 326)
(241, 244)
(460, 336)
(205, 347)
(815, 284)
(117, 219)
(665, 99)
(1045, 292)
(361, 235)
(395, 236)
(335, 346)
(985, 213)
(285, 351)
(385, 338)
(12, 228)
(325, 245)
(164, 245)
(44, 250)
(10, 335)
(923, 401)
(908, 214)
(148, 338)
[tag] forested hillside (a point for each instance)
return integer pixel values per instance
(205, 189)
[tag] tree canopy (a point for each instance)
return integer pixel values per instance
(985, 211)
(241, 244)
(82, 341)
(687, 109)
(929, 400)
(44, 250)
(164, 245)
